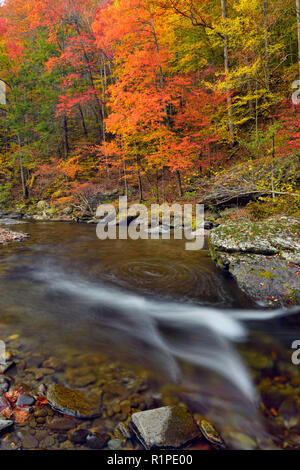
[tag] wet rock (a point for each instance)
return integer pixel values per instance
(41, 390)
(41, 412)
(85, 380)
(211, 434)
(96, 440)
(40, 420)
(78, 436)
(4, 384)
(40, 373)
(47, 442)
(166, 427)
(242, 441)
(73, 402)
(25, 400)
(67, 445)
(52, 363)
(114, 444)
(60, 424)
(34, 361)
(28, 440)
(289, 412)
(4, 405)
(124, 431)
(263, 257)
(10, 442)
(5, 424)
(4, 366)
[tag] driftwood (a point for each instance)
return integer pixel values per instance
(240, 185)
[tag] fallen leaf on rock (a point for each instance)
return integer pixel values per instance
(41, 401)
(21, 415)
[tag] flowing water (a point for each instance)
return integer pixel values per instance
(151, 304)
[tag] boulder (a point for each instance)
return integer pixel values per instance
(73, 402)
(42, 206)
(263, 257)
(166, 427)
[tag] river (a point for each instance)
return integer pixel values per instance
(153, 306)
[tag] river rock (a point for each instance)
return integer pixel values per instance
(5, 423)
(78, 436)
(60, 423)
(263, 257)
(4, 384)
(96, 440)
(25, 400)
(166, 427)
(73, 402)
(4, 366)
(28, 440)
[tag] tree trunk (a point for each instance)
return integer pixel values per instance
(267, 71)
(23, 180)
(226, 66)
(179, 185)
(83, 121)
(66, 136)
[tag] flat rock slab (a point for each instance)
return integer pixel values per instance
(166, 427)
(268, 237)
(263, 257)
(73, 402)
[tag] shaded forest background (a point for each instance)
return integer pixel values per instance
(160, 100)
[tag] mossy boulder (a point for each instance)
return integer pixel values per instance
(73, 402)
(263, 257)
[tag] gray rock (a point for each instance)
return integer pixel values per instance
(4, 366)
(269, 237)
(42, 206)
(5, 423)
(25, 400)
(28, 440)
(4, 384)
(166, 427)
(114, 444)
(263, 257)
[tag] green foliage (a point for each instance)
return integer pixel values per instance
(268, 207)
(5, 193)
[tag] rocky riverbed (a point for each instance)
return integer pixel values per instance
(83, 401)
(263, 257)
(8, 236)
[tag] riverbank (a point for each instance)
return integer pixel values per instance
(263, 257)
